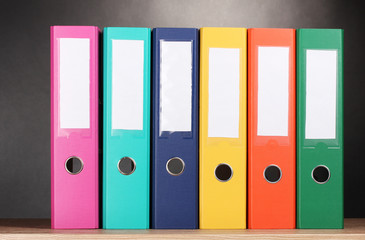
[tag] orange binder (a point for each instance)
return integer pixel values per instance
(271, 128)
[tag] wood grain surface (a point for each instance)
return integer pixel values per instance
(40, 229)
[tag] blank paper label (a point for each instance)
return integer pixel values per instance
(127, 84)
(175, 86)
(273, 91)
(321, 72)
(74, 83)
(224, 92)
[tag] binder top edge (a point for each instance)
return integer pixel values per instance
(73, 26)
(126, 28)
(168, 28)
(319, 29)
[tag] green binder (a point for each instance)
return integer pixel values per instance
(320, 128)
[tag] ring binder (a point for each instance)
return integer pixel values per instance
(222, 128)
(271, 128)
(175, 128)
(320, 128)
(74, 127)
(126, 136)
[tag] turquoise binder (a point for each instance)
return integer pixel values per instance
(126, 128)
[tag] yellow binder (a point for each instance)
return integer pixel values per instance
(223, 115)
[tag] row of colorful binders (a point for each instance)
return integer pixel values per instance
(224, 129)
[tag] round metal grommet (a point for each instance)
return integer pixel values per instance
(175, 166)
(126, 166)
(272, 173)
(74, 165)
(321, 174)
(223, 172)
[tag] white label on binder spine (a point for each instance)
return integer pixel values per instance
(127, 84)
(175, 86)
(273, 91)
(74, 83)
(321, 81)
(224, 92)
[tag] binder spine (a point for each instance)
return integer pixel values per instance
(222, 176)
(319, 203)
(271, 147)
(126, 191)
(174, 197)
(74, 194)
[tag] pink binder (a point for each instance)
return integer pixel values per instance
(74, 127)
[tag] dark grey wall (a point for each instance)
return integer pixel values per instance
(25, 84)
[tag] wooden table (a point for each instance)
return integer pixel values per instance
(40, 229)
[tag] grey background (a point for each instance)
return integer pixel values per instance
(25, 81)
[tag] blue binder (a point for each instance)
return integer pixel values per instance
(126, 131)
(174, 200)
